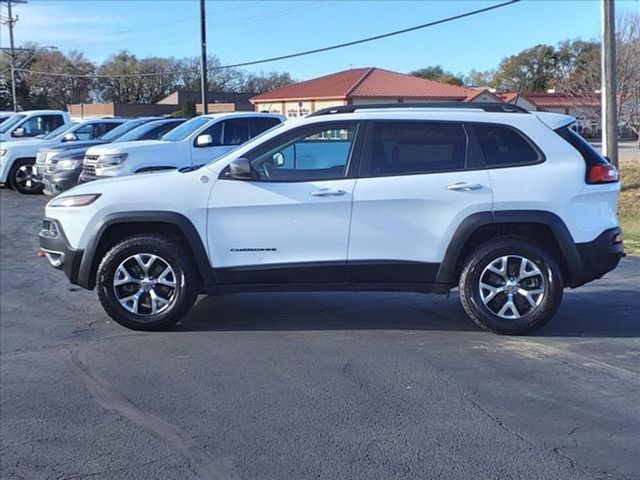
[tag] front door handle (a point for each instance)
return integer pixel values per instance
(465, 186)
(327, 192)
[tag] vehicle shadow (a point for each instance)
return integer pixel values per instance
(582, 314)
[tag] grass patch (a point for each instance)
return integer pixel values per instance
(629, 205)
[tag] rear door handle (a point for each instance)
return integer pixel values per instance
(327, 192)
(465, 186)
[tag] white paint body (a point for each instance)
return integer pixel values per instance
(404, 217)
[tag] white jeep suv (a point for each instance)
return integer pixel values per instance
(509, 206)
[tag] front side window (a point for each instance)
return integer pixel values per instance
(41, 125)
(503, 146)
(260, 125)
(101, 129)
(236, 131)
(317, 154)
(84, 132)
(398, 148)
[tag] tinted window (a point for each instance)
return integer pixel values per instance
(100, 129)
(84, 132)
(504, 146)
(236, 131)
(590, 154)
(259, 125)
(320, 154)
(41, 125)
(120, 130)
(415, 147)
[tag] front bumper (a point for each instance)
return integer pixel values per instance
(601, 255)
(59, 180)
(55, 246)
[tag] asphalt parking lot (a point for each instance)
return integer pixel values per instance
(310, 385)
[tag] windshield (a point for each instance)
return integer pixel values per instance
(138, 132)
(186, 129)
(11, 122)
(59, 130)
(122, 129)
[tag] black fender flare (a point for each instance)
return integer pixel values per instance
(447, 270)
(182, 223)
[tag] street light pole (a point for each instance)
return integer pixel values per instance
(609, 87)
(203, 60)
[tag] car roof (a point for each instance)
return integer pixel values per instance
(242, 114)
(42, 112)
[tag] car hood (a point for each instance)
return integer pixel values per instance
(75, 145)
(128, 147)
(28, 143)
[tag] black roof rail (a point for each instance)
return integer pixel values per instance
(486, 106)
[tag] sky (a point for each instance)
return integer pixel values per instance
(241, 31)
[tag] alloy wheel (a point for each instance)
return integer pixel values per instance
(26, 177)
(145, 284)
(512, 287)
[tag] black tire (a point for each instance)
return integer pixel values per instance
(529, 317)
(184, 276)
(16, 177)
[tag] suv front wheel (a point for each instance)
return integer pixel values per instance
(510, 286)
(147, 282)
(23, 177)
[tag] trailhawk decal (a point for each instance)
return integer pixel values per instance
(253, 249)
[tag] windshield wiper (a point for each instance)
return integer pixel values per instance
(191, 168)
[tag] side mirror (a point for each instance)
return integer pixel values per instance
(240, 169)
(18, 132)
(70, 137)
(278, 159)
(204, 141)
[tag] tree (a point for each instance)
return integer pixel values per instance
(438, 74)
(531, 70)
(58, 91)
(480, 78)
(119, 82)
(188, 109)
(264, 82)
(628, 70)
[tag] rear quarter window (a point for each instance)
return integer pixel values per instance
(503, 146)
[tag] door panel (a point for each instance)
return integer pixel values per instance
(407, 210)
(256, 227)
(291, 222)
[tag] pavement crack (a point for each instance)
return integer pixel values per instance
(113, 401)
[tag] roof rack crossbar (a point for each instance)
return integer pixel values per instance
(485, 106)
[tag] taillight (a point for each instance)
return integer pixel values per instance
(603, 173)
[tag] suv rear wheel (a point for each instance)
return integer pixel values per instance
(24, 178)
(147, 282)
(510, 286)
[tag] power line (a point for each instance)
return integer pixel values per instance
(293, 55)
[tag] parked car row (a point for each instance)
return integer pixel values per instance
(46, 152)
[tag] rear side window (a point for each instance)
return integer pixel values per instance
(504, 146)
(259, 125)
(398, 148)
(590, 154)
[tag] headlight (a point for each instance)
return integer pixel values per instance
(74, 200)
(3, 152)
(67, 164)
(111, 159)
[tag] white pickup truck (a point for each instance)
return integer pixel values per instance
(197, 141)
(17, 159)
(30, 124)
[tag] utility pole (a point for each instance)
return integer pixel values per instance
(609, 87)
(11, 21)
(203, 60)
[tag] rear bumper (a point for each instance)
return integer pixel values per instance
(61, 256)
(600, 255)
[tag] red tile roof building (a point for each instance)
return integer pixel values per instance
(361, 85)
